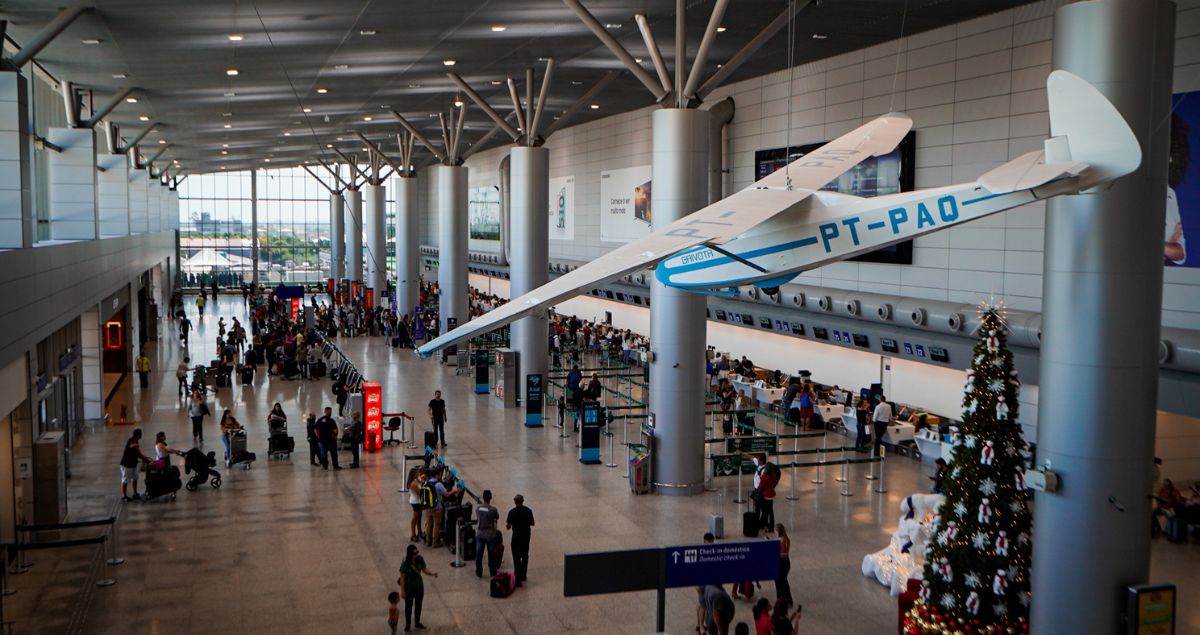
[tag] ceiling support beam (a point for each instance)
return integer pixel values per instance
(680, 51)
(106, 108)
(543, 94)
(484, 106)
(405, 143)
(379, 153)
(529, 101)
(478, 145)
(458, 130)
(354, 171)
(613, 45)
(138, 138)
(336, 175)
(579, 103)
(710, 35)
(664, 75)
(320, 180)
(516, 100)
(70, 103)
(420, 137)
(44, 37)
(750, 48)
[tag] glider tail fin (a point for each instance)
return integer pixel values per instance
(1085, 127)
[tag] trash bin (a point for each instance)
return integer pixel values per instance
(639, 471)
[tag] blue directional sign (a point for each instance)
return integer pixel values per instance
(698, 565)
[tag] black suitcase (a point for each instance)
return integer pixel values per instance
(278, 444)
(221, 380)
(430, 439)
(750, 525)
(469, 544)
(1176, 530)
(248, 375)
(319, 370)
(454, 513)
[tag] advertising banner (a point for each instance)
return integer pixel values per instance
(373, 419)
(483, 212)
(562, 208)
(625, 204)
(1183, 184)
(533, 401)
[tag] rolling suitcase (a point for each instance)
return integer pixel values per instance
(430, 439)
(716, 525)
(750, 525)
(281, 445)
(469, 543)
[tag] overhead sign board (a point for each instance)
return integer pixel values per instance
(719, 563)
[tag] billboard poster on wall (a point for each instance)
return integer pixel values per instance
(1183, 184)
(483, 210)
(562, 208)
(625, 213)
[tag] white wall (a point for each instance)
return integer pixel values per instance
(976, 93)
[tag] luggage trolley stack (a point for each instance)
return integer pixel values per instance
(280, 444)
(238, 454)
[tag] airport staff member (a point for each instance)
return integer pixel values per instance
(881, 418)
(142, 366)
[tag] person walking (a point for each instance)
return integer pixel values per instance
(393, 619)
(142, 365)
(881, 418)
(412, 586)
(416, 480)
(327, 432)
(718, 609)
(861, 413)
(486, 534)
(520, 523)
(197, 411)
(314, 444)
(130, 458)
(185, 327)
(229, 424)
(181, 373)
(341, 395)
(354, 437)
(437, 415)
(200, 302)
(783, 588)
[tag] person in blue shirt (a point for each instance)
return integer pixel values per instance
(574, 378)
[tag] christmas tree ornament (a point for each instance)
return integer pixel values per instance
(1001, 409)
(973, 603)
(945, 571)
(948, 600)
(924, 594)
(1002, 544)
(1020, 479)
(988, 454)
(970, 385)
(987, 487)
(985, 511)
(1000, 582)
(971, 581)
(970, 440)
(980, 540)
(993, 342)
(960, 509)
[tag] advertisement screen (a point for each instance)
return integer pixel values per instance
(562, 208)
(625, 212)
(483, 212)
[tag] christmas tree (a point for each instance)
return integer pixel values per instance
(976, 577)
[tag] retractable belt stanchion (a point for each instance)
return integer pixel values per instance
(792, 495)
(612, 458)
(739, 500)
(881, 489)
(842, 477)
(824, 457)
(874, 454)
(845, 480)
(625, 473)
(458, 545)
(114, 560)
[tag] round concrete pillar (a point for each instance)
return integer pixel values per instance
(376, 230)
(452, 242)
(408, 257)
(530, 183)
(677, 318)
(354, 235)
(337, 236)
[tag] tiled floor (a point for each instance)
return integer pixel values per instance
(285, 547)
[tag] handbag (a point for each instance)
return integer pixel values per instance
(756, 496)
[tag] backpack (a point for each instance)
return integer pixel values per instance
(503, 584)
(429, 495)
(774, 473)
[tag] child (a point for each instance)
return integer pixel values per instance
(939, 475)
(393, 611)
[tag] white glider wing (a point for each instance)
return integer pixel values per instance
(715, 224)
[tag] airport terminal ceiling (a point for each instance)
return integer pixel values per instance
(370, 57)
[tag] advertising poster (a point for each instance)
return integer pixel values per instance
(562, 208)
(483, 210)
(625, 204)
(1183, 185)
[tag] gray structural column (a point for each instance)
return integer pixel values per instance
(677, 318)
(254, 246)
(373, 222)
(1102, 299)
(452, 242)
(337, 236)
(408, 244)
(530, 240)
(354, 235)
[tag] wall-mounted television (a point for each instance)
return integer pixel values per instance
(888, 174)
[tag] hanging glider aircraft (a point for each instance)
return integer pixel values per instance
(768, 233)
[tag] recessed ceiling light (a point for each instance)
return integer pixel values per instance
(573, 83)
(385, 106)
(224, 145)
(339, 138)
(612, 25)
(543, 59)
(176, 162)
(496, 28)
(366, 150)
(231, 72)
(119, 76)
(226, 114)
(235, 37)
(368, 118)
(222, 167)
(819, 36)
(322, 91)
(721, 29)
(224, 151)
(231, 94)
(143, 118)
(228, 126)
(638, 60)
(308, 110)
(367, 31)
(449, 62)
(328, 145)
(132, 100)
(496, 82)
(341, 67)
(458, 103)
(287, 134)
(162, 141)
(90, 40)
(595, 106)
(414, 85)
(266, 160)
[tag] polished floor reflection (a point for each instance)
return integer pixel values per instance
(285, 547)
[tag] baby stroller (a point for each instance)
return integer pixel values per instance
(162, 481)
(195, 460)
(237, 450)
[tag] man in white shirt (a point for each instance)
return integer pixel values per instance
(881, 418)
